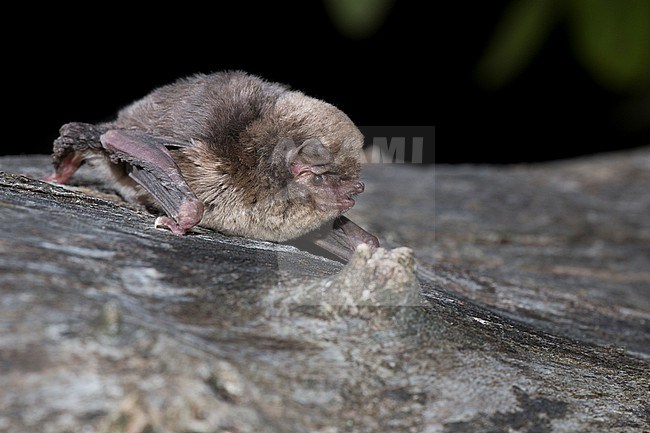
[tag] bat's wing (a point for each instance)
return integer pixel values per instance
(147, 161)
(151, 165)
(344, 237)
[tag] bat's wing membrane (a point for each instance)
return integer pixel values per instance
(147, 160)
(151, 165)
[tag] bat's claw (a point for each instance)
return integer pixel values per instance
(165, 221)
(372, 242)
(191, 212)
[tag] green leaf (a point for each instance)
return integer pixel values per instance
(358, 19)
(517, 38)
(612, 39)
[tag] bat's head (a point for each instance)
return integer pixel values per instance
(318, 181)
(298, 168)
(313, 162)
(319, 148)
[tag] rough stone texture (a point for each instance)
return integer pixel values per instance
(530, 311)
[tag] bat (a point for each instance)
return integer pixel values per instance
(231, 152)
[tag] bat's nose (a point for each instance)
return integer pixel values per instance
(359, 187)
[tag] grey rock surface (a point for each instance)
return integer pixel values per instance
(528, 312)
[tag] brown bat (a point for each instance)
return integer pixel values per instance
(231, 152)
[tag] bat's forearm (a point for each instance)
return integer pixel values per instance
(355, 235)
(344, 238)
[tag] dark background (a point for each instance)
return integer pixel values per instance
(417, 69)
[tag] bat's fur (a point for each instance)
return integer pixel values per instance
(236, 133)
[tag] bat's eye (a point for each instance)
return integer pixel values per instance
(317, 179)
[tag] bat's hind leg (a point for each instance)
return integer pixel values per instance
(70, 149)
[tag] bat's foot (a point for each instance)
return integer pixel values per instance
(70, 148)
(65, 169)
(190, 214)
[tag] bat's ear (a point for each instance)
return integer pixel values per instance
(310, 155)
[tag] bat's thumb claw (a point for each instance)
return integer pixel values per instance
(189, 215)
(167, 222)
(372, 242)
